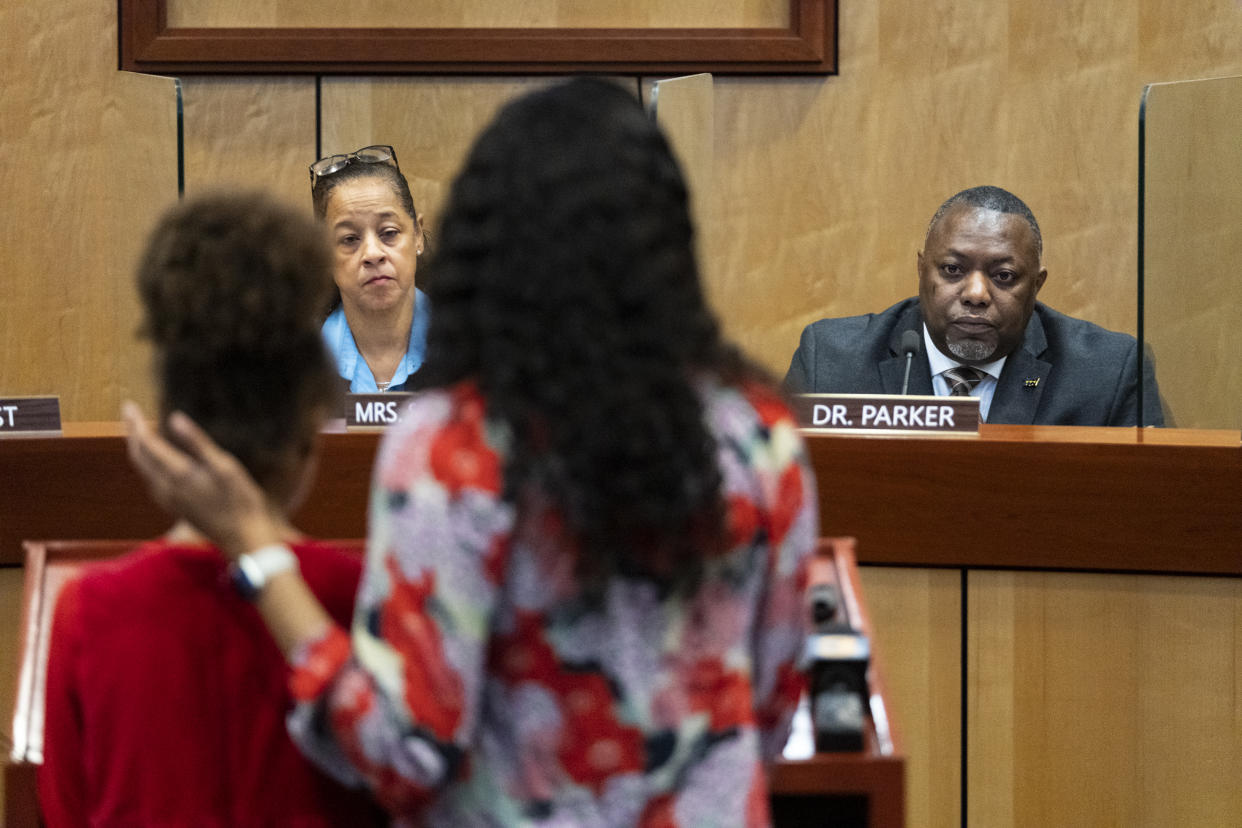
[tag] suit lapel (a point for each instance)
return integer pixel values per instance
(1023, 380)
(893, 369)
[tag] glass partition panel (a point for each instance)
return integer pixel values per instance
(1190, 248)
(685, 110)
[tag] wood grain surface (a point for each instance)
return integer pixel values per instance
(916, 619)
(478, 13)
(1103, 700)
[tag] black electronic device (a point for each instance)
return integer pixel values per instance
(837, 657)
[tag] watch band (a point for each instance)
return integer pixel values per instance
(251, 572)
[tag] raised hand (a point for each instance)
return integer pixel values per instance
(192, 477)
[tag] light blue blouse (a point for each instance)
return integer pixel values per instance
(349, 362)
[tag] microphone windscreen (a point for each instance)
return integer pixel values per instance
(910, 342)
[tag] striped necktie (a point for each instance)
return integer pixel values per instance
(962, 380)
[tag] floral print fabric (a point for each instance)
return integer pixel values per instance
(479, 687)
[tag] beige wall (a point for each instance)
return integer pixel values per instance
(823, 185)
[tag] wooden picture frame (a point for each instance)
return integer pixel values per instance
(808, 46)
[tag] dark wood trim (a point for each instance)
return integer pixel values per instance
(807, 47)
(81, 485)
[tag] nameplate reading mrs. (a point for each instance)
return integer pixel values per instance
(887, 414)
(367, 412)
(29, 415)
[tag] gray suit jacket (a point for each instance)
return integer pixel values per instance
(1066, 372)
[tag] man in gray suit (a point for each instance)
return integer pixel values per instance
(979, 330)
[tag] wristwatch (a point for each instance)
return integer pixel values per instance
(251, 572)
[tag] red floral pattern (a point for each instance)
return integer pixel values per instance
(319, 664)
(768, 404)
(659, 813)
(432, 690)
(744, 520)
(790, 682)
(789, 504)
(723, 693)
(460, 456)
(465, 604)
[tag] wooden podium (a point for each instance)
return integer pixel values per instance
(49, 566)
(864, 789)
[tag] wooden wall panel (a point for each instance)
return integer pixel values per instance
(916, 615)
(1103, 700)
(1180, 41)
(1193, 243)
(89, 157)
(430, 122)
(825, 186)
(1082, 190)
(479, 13)
(251, 133)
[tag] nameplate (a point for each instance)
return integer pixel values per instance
(887, 414)
(29, 415)
(368, 412)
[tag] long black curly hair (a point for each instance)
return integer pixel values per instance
(566, 287)
(232, 288)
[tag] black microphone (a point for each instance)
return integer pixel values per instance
(909, 347)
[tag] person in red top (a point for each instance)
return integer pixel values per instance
(166, 696)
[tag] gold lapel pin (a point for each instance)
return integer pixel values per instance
(1032, 383)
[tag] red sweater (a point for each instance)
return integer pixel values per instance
(166, 698)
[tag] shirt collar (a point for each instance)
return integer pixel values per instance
(351, 365)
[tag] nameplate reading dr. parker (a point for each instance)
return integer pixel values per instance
(887, 414)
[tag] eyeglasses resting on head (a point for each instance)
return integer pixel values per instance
(375, 154)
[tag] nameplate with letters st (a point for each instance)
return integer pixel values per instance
(368, 412)
(887, 414)
(29, 415)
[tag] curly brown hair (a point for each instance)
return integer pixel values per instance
(232, 288)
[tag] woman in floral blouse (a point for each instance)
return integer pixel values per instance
(582, 602)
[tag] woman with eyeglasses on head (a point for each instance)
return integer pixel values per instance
(377, 328)
(165, 696)
(582, 602)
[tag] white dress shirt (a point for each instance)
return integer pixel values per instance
(941, 363)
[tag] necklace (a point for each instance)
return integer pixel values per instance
(383, 386)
